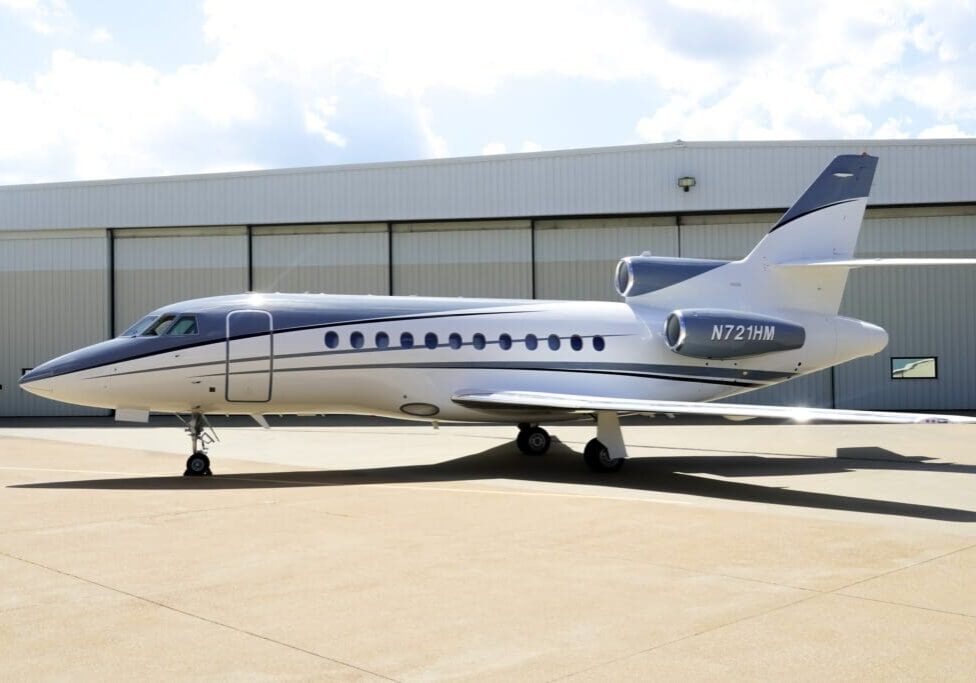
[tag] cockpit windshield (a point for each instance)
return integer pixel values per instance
(139, 327)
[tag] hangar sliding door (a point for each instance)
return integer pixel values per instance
(154, 267)
(476, 259)
(334, 259)
(928, 311)
(54, 297)
(576, 258)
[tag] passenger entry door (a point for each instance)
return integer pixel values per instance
(250, 350)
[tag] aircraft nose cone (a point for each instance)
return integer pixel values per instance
(39, 380)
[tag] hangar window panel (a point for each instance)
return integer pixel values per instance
(916, 367)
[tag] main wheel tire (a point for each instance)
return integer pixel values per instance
(197, 465)
(597, 457)
(533, 441)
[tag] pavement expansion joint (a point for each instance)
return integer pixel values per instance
(191, 615)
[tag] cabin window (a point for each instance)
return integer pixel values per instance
(531, 342)
(576, 342)
(454, 340)
(478, 341)
(139, 327)
(406, 340)
(554, 342)
(184, 325)
(915, 367)
(382, 340)
(598, 343)
(331, 339)
(430, 340)
(357, 340)
(159, 327)
(505, 341)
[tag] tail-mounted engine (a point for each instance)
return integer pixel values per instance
(715, 333)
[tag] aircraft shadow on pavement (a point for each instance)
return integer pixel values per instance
(666, 474)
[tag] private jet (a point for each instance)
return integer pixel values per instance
(688, 332)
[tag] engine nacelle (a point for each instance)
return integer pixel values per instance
(636, 275)
(715, 333)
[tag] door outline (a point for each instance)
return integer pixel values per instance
(227, 357)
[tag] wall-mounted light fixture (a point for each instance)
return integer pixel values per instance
(686, 183)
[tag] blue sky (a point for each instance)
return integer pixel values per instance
(114, 89)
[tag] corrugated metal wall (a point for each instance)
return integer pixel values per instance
(158, 267)
(337, 259)
(54, 298)
(927, 311)
(477, 259)
(738, 176)
(575, 259)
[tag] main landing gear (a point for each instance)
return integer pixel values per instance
(533, 440)
(606, 453)
(198, 464)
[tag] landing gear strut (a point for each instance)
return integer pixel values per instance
(198, 464)
(533, 440)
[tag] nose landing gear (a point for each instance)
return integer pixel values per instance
(198, 464)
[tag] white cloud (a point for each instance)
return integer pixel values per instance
(43, 16)
(494, 148)
(317, 121)
(92, 118)
(946, 130)
(100, 36)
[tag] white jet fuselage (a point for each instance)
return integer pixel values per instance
(316, 354)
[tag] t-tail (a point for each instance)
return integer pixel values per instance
(821, 226)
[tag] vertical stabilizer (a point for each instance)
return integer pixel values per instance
(822, 225)
(824, 222)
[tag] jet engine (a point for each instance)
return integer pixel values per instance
(715, 333)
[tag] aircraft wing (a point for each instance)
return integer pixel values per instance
(577, 403)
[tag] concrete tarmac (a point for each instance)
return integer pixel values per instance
(365, 551)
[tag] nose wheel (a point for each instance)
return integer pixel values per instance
(198, 464)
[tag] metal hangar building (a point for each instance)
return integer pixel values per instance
(80, 261)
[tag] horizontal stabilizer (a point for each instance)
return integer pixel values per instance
(574, 403)
(874, 262)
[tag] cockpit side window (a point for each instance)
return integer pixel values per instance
(140, 326)
(159, 327)
(184, 325)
